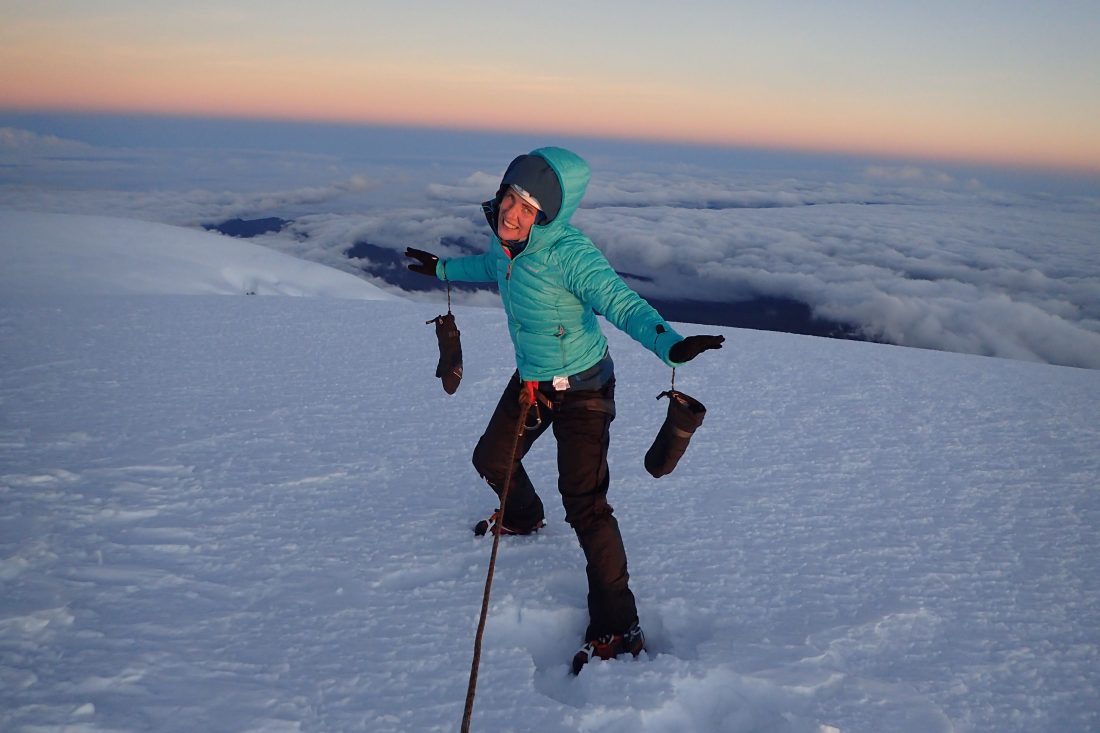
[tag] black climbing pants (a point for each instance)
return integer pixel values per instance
(580, 420)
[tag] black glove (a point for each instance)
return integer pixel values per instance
(427, 263)
(692, 346)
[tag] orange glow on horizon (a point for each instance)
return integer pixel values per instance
(305, 90)
(1021, 99)
(1070, 162)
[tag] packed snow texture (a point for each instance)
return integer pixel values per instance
(253, 514)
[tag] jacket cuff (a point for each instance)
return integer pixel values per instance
(441, 269)
(664, 342)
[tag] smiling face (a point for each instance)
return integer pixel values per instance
(515, 218)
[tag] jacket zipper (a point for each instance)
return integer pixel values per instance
(511, 258)
(511, 261)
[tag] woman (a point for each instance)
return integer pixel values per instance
(553, 281)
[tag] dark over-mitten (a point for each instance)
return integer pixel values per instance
(449, 368)
(685, 415)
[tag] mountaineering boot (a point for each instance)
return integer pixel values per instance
(610, 646)
(521, 520)
(495, 526)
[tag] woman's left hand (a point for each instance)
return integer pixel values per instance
(692, 346)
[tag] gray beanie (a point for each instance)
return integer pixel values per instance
(535, 177)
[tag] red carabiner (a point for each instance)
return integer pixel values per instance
(528, 400)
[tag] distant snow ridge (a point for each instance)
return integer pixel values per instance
(95, 255)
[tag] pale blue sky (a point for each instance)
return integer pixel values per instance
(994, 81)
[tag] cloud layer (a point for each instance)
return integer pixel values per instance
(911, 255)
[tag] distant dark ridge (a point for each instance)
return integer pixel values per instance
(392, 266)
(763, 313)
(724, 205)
(245, 228)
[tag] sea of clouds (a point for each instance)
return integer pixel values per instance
(916, 255)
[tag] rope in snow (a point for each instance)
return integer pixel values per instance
(526, 399)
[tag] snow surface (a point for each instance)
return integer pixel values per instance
(253, 514)
(107, 255)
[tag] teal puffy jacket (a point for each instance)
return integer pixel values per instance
(551, 289)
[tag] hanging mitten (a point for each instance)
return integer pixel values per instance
(449, 368)
(685, 415)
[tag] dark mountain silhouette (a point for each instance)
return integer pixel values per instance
(245, 228)
(762, 313)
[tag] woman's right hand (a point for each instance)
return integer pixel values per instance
(426, 264)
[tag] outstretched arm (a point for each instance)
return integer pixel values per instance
(591, 278)
(475, 268)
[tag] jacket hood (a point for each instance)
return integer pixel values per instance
(573, 176)
(537, 172)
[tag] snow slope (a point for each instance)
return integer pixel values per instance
(253, 514)
(106, 255)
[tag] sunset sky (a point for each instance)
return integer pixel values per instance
(1006, 82)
